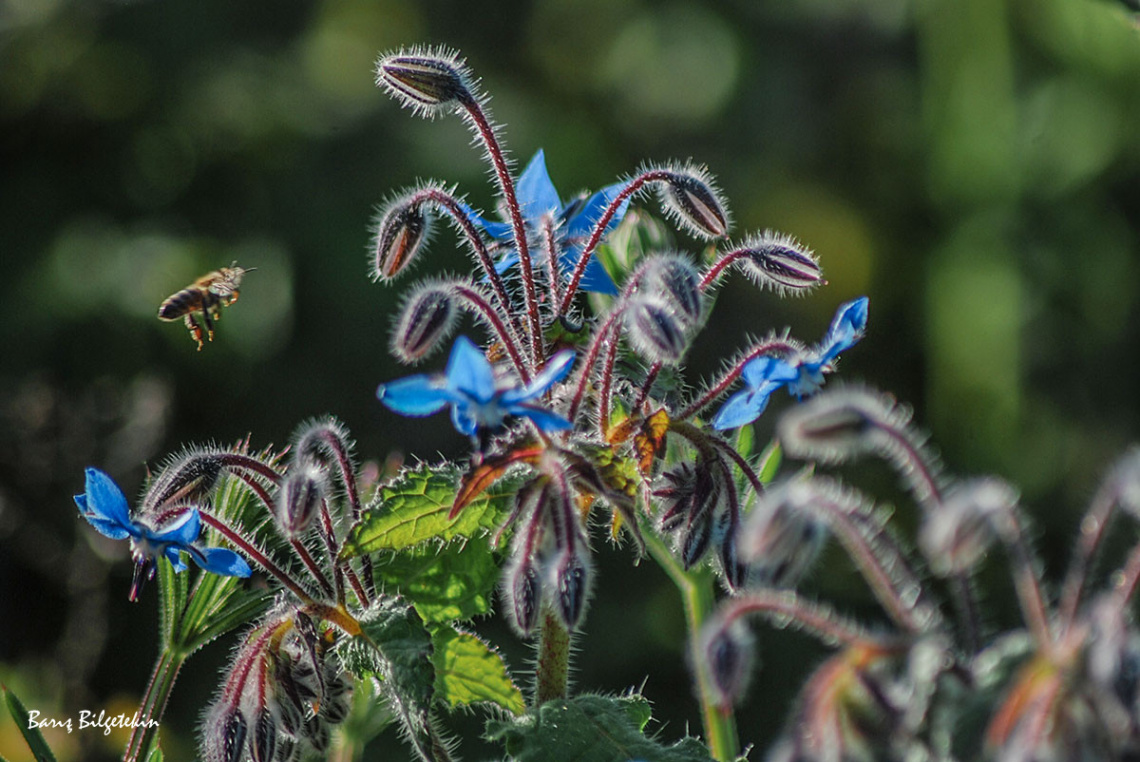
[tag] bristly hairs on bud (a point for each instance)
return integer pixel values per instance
(674, 279)
(657, 333)
(955, 537)
(844, 423)
(779, 262)
(782, 537)
(689, 196)
(404, 228)
(431, 81)
(425, 320)
(727, 653)
(300, 496)
(187, 477)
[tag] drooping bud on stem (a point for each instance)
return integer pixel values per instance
(955, 537)
(727, 654)
(779, 262)
(569, 580)
(430, 81)
(689, 195)
(224, 734)
(655, 330)
(674, 279)
(782, 537)
(300, 497)
(427, 318)
(523, 589)
(404, 229)
(188, 478)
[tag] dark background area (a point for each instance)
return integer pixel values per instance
(971, 165)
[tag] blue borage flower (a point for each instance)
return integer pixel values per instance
(477, 403)
(105, 508)
(802, 374)
(575, 221)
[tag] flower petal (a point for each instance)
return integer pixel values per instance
(765, 369)
(104, 500)
(556, 369)
(221, 561)
(595, 278)
(183, 531)
(469, 373)
(174, 556)
(499, 230)
(545, 419)
(536, 193)
(415, 395)
(462, 419)
(743, 407)
(846, 329)
(584, 216)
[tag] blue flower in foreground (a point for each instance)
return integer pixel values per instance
(802, 374)
(477, 404)
(575, 221)
(105, 508)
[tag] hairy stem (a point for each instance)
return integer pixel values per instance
(552, 669)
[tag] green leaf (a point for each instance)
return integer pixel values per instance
(413, 509)
(213, 606)
(590, 729)
(32, 736)
(468, 672)
(444, 584)
(769, 461)
(396, 648)
(745, 440)
(155, 755)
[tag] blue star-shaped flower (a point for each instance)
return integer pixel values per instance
(469, 387)
(802, 374)
(574, 220)
(105, 508)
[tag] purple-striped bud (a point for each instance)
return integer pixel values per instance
(427, 318)
(224, 734)
(735, 572)
(695, 538)
(689, 195)
(782, 537)
(404, 229)
(656, 332)
(570, 580)
(430, 81)
(318, 735)
(263, 743)
(523, 588)
(337, 700)
(957, 535)
(780, 262)
(674, 279)
(727, 654)
(300, 497)
(187, 478)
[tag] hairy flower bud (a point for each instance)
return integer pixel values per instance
(427, 80)
(403, 231)
(689, 195)
(187, 478)
(782, 537)
(299, 498)
(956, 536)
(263, 743)
(727, 654)
(427, 318)
(224, 734)
(523, 590)
(674, 279)
(570, 579)
(780, 262)
(655, 330)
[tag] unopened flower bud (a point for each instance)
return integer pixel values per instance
(727, 656)
(524, 595)
(782, 537)
(428, 80)
(299, 498)
(570, 579)
(427, 318)
(186, 479)
(675, 280)
(956, 535)
(404, 229)
(318, 734)
(780, 262)
(656, 332)
(735, 572)
(224, 734)
(689, 195)
(695, 539)
(263, 744)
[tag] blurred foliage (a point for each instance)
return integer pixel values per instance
(973, 165)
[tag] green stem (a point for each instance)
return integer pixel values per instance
(553, 667)
(154, 705)
(696, 588)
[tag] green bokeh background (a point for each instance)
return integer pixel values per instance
(971, 165)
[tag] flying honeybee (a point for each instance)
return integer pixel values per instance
(205, 297)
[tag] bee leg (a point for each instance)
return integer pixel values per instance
(195, 329)
(233, 297)
(209, 319)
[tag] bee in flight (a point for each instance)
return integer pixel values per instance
(204, 297)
